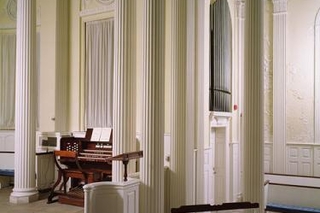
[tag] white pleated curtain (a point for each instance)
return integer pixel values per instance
(99, 73)
(7, 80)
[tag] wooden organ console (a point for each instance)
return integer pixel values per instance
(93, 155)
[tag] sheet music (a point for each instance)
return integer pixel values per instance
(96, 134)
(105, 134)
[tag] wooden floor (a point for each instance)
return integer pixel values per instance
(39, 206)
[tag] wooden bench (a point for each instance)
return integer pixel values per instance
(219, 207)
(277, 207)
(292, 194)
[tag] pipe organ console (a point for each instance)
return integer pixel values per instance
(93, 155)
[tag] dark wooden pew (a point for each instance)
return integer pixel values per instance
(219, 207)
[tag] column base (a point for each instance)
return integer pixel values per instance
(24, 196)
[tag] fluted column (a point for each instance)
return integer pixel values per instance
(24, 190)
(279, 84)
(178, 104)
(253, 102)
(152, 170)
(238, 88)
(124, 83)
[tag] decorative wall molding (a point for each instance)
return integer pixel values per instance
(12, 9)
(299, 160)
(280, 6)
(98, 10)
(93, 7)
(240, 4)
(106, 1)
(7, 140)
(268, 157)
(220, 119)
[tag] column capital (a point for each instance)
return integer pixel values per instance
(240, 8)
(279, 6)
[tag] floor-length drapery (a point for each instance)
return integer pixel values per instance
(99, 73)
(7, 80)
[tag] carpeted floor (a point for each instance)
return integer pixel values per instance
(39, 206)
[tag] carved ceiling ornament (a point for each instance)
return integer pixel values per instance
(12, 9)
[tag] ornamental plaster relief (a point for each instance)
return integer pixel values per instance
(299, 106)
(8, 13)
(91, 7)
(300, 82)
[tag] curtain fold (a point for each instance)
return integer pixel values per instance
(7, 80)
(99, 73)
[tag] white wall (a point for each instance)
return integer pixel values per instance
(300, 70)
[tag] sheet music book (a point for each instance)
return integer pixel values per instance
(105, 134)
(101, 134)
(96, 133)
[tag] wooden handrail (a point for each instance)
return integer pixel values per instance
(125, 157)
(220, 207)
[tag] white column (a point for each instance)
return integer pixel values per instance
(279, 84)
(152, 170)
(178, 104)
(238, 94)
(124, 110)
(253, 103)
(24, 190)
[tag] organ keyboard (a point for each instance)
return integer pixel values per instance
(91, 154)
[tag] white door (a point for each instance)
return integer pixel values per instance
(219, 167)
(208, 177)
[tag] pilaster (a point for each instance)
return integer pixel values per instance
(253, 103)
(279, 84)
(317, 79)
(238, 88)
(24, 190)
(62, 66)
(152, 172)
(178, 104)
